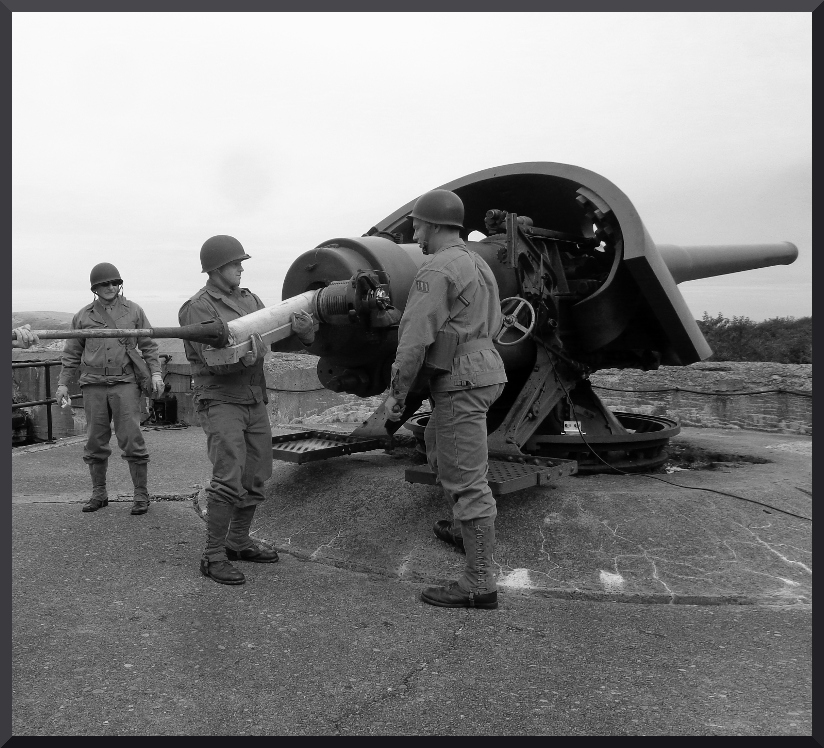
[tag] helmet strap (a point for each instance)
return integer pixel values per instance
(217, 277)
(437, 232)
(423, 241)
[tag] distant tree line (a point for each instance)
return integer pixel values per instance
(784, 340)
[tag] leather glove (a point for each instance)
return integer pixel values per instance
(62, 396)
(256, 352)
(157, 385)
(393, 408)
(304, 327)
(25, 337)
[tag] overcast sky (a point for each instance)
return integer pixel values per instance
(136, 136)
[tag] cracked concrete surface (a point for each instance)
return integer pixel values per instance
(601, 537)
(595, 537)
(115, 631)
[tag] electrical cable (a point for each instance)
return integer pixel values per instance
(654, 477)
(798, 393)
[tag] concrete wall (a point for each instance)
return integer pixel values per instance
(293, 388)
(295, 395)
(773, 411)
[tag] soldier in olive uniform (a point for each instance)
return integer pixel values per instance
(231, 404)
(452, 312)
(111, 373)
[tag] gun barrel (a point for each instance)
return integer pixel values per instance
(692, 263)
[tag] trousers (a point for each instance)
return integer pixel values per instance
(456, 450)
(239, 445)
(118, 404)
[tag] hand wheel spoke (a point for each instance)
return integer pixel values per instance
(513, 309)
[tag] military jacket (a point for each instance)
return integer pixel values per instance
(229, 383)
(434, 305)
(104, 360)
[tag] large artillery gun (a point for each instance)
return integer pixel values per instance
(584, 287)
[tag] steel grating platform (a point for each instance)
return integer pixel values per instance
(309, 446)
(505, 476)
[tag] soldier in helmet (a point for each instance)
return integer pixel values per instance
(452, 312)
(112, 374)
(231, 404)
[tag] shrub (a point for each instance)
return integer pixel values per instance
(784, 340)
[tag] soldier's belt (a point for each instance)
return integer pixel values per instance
(440, 354)
(479, 344)
(104, 371)
(242, 378)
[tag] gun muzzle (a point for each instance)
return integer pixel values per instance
(692, 263)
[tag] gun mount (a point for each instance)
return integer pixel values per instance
(601, 293)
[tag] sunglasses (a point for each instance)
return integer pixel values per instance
(114, 284)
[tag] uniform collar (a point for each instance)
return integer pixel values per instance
(457, 243)
(220, 288)
(120, 308)
(230, 298)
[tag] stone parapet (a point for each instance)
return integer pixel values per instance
(703, 394)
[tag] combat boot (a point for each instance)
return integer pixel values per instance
(255, 554)
(239, 546)
(100, 497)
(221, 571)
(214, 564)
(443, 531)
(139, 472)
(477, 587)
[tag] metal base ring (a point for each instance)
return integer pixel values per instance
(641, 449)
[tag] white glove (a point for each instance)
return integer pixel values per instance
(62, 396)
(157, 385)
(304, 327)
(257, 351)
(25, 337)
(393, 408)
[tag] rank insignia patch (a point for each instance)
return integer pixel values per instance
(422, 286)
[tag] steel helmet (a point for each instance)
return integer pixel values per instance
(441, 207)
(102, 272)
(219, 251)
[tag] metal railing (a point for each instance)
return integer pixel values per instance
(47, 380)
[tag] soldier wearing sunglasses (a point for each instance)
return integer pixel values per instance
(112, 374)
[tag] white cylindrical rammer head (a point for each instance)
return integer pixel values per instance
(265, 322)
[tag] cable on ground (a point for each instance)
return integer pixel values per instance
(798, 393)
(655, 477)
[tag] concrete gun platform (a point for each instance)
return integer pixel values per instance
(602, 537)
